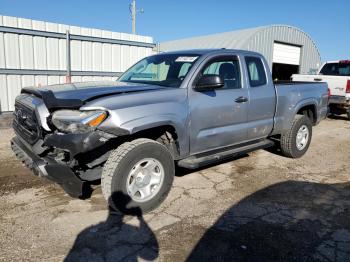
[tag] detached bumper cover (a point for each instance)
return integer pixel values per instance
(50, 169)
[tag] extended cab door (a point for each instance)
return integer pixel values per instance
(218, 117)
(262, 98)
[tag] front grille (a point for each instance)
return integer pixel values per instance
(25, 123)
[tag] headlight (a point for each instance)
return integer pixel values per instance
(74, 121)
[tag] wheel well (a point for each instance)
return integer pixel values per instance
(309, 111)
(91, 162)
(160, 133)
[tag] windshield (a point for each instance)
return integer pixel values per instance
(336, 69)
(165, 70)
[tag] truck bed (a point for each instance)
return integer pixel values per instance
(289, 82)
(297, 94)
(337, 84)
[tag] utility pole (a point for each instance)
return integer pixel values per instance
(133, 16)
(68, 58)
(133, 12)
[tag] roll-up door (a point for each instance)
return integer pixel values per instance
(286, 54)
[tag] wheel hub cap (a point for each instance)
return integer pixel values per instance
(302, 137)
(142, 180)
(145, 179)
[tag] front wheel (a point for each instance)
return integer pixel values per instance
(138, 176)
(296, 141)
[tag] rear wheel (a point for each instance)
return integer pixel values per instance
(138, 176)
(296, 141)
(348, 114)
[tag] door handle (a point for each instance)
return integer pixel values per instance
(318, 79)
(241, 99)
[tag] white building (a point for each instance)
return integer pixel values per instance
(288, 50)
(34, 53)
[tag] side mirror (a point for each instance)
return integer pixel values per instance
(208, 82)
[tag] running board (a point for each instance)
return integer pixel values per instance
(201, 160)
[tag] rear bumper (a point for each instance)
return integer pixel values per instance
(50, 169)
(339, 100)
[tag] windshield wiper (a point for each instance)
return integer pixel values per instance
(146, 83)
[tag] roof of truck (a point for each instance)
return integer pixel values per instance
(206, 51)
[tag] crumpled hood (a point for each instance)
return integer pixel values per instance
(87, 90)
(76, 94)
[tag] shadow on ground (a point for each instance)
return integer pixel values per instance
(290, 221)
(338, 117)
(114, 240)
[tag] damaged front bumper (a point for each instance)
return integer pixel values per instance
(56, 170)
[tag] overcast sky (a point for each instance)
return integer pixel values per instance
(327, 22)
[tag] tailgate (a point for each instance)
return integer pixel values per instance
(337, 84)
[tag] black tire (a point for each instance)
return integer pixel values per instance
(120, 163)
(348, 114)
(288, 140)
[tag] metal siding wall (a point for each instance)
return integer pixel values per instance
(3, 80)
(86, 51)
(310, 58)
(2, 51)
(53, 80)
(53, 60)
(28, 80)
(75, 50)
(106, 53)
(20, 51)
(26, 51)
(116, 61)
(259, 39)
(40, 51)
(235, 40)
(4, 103)
(15, 82)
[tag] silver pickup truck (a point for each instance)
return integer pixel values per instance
(187, 108)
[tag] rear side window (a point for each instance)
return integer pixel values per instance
(256, 71)
(336, 69)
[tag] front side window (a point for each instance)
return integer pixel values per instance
(227, 69)
(256, 71)
(165, 70)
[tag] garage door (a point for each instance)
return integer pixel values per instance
(286, 54)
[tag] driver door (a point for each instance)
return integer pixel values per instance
(219, 116)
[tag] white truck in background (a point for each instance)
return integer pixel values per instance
(337, 76)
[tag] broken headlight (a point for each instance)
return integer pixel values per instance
(74, 121)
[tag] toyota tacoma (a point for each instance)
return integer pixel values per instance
(187, 108)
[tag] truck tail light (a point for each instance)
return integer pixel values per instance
(329, 93)
(348, 87)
